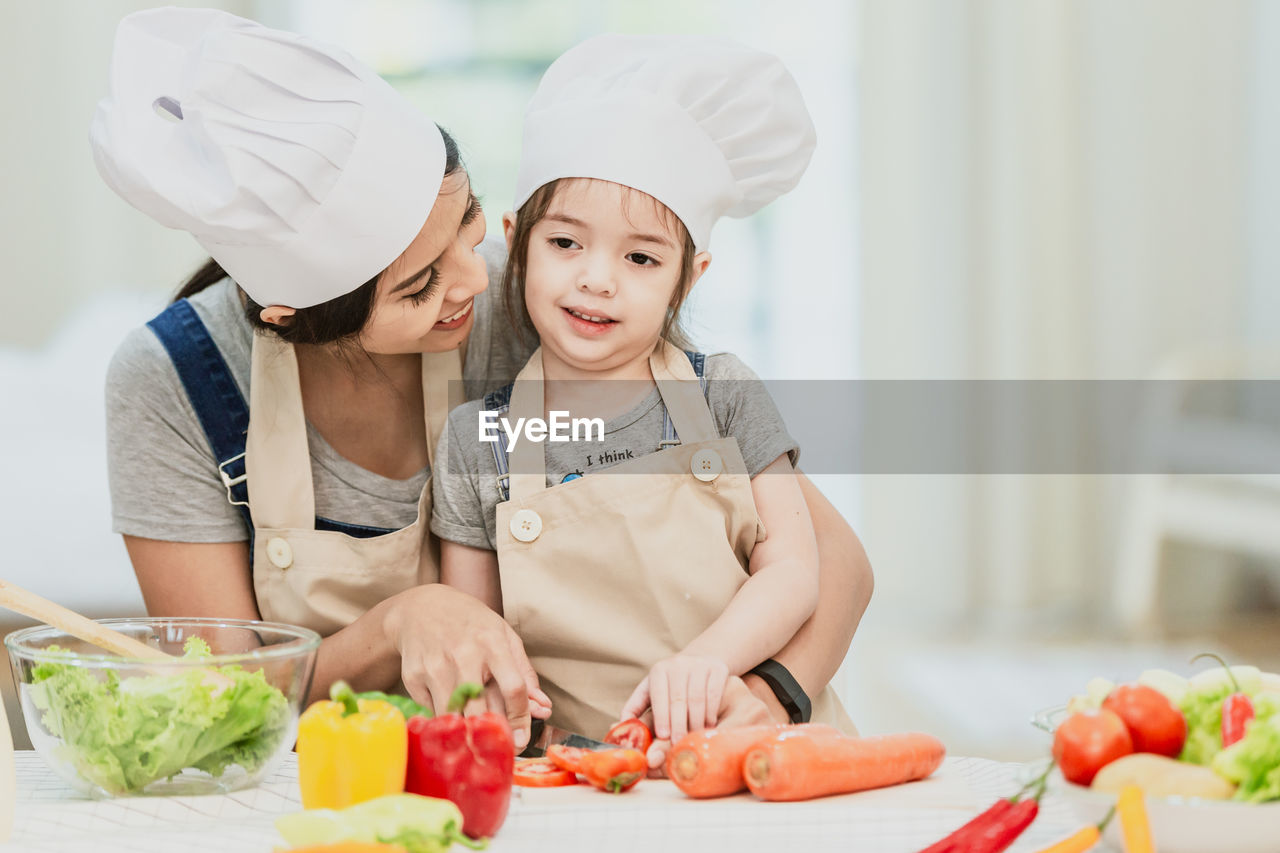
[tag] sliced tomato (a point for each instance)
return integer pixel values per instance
(566, 757)
(541, 773)
(632, 734)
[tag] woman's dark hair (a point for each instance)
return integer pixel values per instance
(532, 212)
(340, 318)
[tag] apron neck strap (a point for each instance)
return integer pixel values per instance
(442, 392)
(277, 461)
(528, 474)
(682, 394)
(677, 384)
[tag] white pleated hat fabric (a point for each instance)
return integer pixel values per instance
(299, 169)
(707, 126)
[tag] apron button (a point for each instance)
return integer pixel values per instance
(526, 525)
(279, 553)
(706, 465)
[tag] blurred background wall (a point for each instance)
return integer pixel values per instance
(1003, 189)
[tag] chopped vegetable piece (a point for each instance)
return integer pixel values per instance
(541, 773)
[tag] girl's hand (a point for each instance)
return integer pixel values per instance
(684, 693)
(738, 707)
(446, 637)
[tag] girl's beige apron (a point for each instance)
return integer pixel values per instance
(321, 579)
(605, 575)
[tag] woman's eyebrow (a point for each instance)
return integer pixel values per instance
(473, 204)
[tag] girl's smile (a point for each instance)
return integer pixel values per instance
(589, 322)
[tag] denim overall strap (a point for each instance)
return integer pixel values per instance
(499, 401)
(220, 407)
(212, 390)
(669, 436)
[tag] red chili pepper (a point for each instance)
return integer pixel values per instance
(1005, 830)
(958, 841)
(1237, 709)
(464, 759)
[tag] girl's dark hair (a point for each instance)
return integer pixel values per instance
(532, 212)
(338, 319)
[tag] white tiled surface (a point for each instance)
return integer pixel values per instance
(52, 819)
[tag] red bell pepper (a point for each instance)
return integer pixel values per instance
(467, 760)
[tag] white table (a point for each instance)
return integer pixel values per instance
(52, 818)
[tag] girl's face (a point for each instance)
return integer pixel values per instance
(425, 298)
(602, 269)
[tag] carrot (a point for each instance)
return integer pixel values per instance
(796, 765)
(708, 762)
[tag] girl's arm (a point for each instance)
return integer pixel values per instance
(432, 636)
(473, 571)
(815, 653)
(782, 592)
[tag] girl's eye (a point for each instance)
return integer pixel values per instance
(427, 290)
(563, 242)
(641, 259)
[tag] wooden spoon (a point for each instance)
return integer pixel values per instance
(27, 603)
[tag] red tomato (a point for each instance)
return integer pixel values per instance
(1153, 723)
(566, 757)
(632, 734)
(541, 773)
(614, 770)
(1088, 741)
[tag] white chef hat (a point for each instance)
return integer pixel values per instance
(708, 127)
(300, 170)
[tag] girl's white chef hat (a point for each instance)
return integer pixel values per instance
(707, 126)
(300, 170)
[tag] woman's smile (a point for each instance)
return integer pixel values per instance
(455, 320)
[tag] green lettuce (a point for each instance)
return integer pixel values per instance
(124, 734)
(1253, 762)
(1202, 709)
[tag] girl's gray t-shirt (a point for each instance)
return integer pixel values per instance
(163, 475)
(465, 491)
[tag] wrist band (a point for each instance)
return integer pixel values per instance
(789, 692)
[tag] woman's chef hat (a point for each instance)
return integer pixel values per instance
(300, 170)
(706, 126)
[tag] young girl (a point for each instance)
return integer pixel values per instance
(635, 566)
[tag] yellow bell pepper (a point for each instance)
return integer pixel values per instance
(350, 750)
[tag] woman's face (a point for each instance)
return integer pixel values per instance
(425, 298)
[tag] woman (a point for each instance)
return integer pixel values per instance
(356, 300)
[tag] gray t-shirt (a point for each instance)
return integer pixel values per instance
(465, 491)
(163, 475)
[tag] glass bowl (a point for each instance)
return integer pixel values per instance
(201, 724)
(1178, 824)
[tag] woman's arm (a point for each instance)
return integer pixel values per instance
(782, 592)
(432, 636)
(815, 653)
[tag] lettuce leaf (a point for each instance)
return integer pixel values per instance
(124, 734)
(1202, 709)
(1253, 762)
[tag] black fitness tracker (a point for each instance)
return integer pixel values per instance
(787, 689)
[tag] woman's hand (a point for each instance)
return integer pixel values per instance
(446, 637)
(738, 707)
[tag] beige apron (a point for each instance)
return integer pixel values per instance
(605, 575)
(322, 579)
